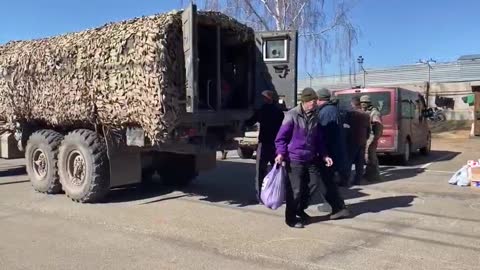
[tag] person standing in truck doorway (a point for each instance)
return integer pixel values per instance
(227, 85)
(372, 171)
(270, 117)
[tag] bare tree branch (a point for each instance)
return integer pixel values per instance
(267, 7)
(278, 6)
(252, 9)
(326, 30)
(298, 14)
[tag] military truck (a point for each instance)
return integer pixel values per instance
(95, 127)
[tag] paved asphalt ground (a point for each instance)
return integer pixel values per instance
(412, 220)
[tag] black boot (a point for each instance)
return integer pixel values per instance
(297, 224)
(304, 217)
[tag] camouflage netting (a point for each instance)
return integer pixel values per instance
(121, 74)
(127, 73)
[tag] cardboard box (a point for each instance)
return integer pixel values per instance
(475, 184)
(475, 177)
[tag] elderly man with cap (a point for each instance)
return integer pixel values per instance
(332, 125)
(270, 117)
(300, 144)
(372, 171)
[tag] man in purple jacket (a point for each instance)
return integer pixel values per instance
(299, 143)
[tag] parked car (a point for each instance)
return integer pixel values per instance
(404, 118)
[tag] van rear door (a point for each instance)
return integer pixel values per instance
(276, 65)
(419, 123)
(407, 115)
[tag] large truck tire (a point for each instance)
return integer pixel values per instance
(245, 152)
(177, 170)
(41, 154)
(84, 167)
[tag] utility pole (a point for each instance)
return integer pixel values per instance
(360, 60)
(311, 78)
(429, 65)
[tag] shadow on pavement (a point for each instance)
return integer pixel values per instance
(139, 192)
(13, 182)
(394, 173)
(16, 171)
(380, 204)
(352, 193)
(417, 159)
(372, 206)
(232, 182)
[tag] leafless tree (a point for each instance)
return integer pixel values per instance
(325, 26)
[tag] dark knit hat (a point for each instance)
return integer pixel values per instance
(308, 94)
(324, 94)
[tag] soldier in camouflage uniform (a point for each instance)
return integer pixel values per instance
(372, 172)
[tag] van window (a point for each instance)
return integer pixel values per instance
(407, 109)
(381, 100)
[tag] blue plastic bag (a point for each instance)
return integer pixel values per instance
(273, 187)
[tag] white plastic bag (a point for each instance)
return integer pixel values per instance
(460, 178)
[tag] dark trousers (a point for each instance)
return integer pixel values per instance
(265, 155)
(357, 158)
(303, 179)
(332, 194)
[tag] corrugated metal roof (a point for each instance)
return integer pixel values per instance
(469, 57)
(459, 71)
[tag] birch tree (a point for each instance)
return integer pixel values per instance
(325, 26)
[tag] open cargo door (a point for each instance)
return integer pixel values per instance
(276, 65)
(190, 48)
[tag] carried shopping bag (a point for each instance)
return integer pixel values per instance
(273, 187)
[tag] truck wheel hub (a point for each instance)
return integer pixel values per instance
(40, 163)
(76, 168)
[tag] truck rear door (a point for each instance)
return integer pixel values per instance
(276, 65)
(190, 39)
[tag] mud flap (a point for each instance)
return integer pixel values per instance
(125, 161)
(205, 161)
